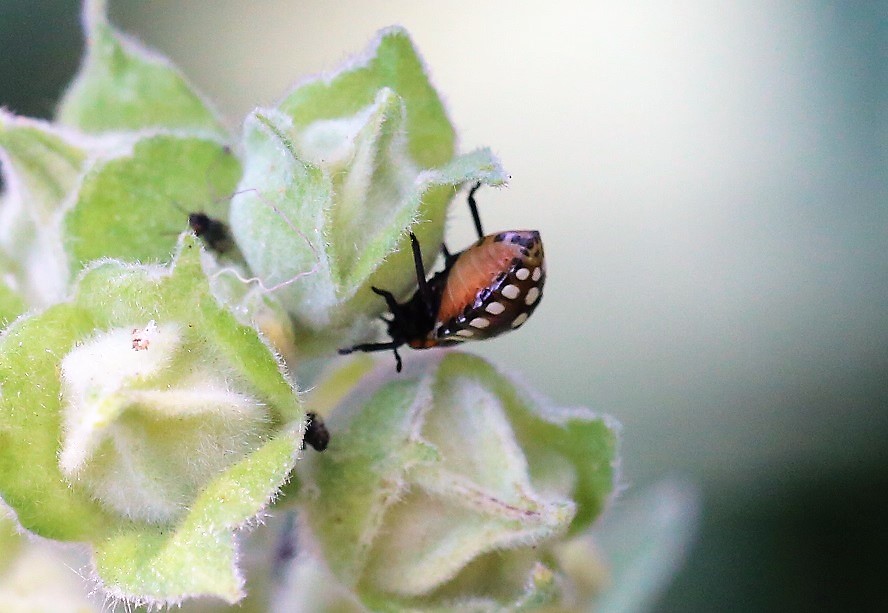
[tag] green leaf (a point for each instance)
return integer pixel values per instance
(429, 493)
(311, 587)
(361, 474)
(319, 230)
(133, 207)
(389, 62)
(41, 165)
(124, 86)
(89, 371)
(335, 179)
(573, 445)
(199, 555)
(278, 214)
(31, 481)
(44, 162)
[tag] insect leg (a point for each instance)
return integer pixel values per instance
(474, 208)
(390, 301)
(424, 290)
(449, 258)
(368, 347)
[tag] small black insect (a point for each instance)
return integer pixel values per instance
(213, 232)
(490, 288)
(316, 433)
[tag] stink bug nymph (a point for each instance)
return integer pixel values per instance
(490, 288)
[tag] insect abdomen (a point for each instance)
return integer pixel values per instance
(492, 287)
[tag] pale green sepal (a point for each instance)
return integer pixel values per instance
(369, 184)
(541, 587)
(123, 86)
(81, 374)
(278, 218)
(335, 383)
(133, 206)
(198, 557)
(428, 494)
(390, 62)
(573, 450)
(361, 474)
(311, 587)
(387, 260)
(31, 481)
(479, 492)
(319, 234)
(251, 305)
(183, 294)
(41, 165)
(46, 162)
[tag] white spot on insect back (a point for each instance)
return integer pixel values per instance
(466, 333)
(537, 273)
(522, 274)
(495, 308)
(479, 322)
(511, 292)
(519, 320)
(532, 294)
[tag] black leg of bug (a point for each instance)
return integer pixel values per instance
(411, 320)
(368, 347)
(390, 301)
(421, 282)
(316, 433)
(473, 207)
(414, 322)
(449, 258)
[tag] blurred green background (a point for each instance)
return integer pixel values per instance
(710, 183)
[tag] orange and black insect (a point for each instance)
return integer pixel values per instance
(490, 288)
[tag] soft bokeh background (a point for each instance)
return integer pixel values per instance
(710, 182)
